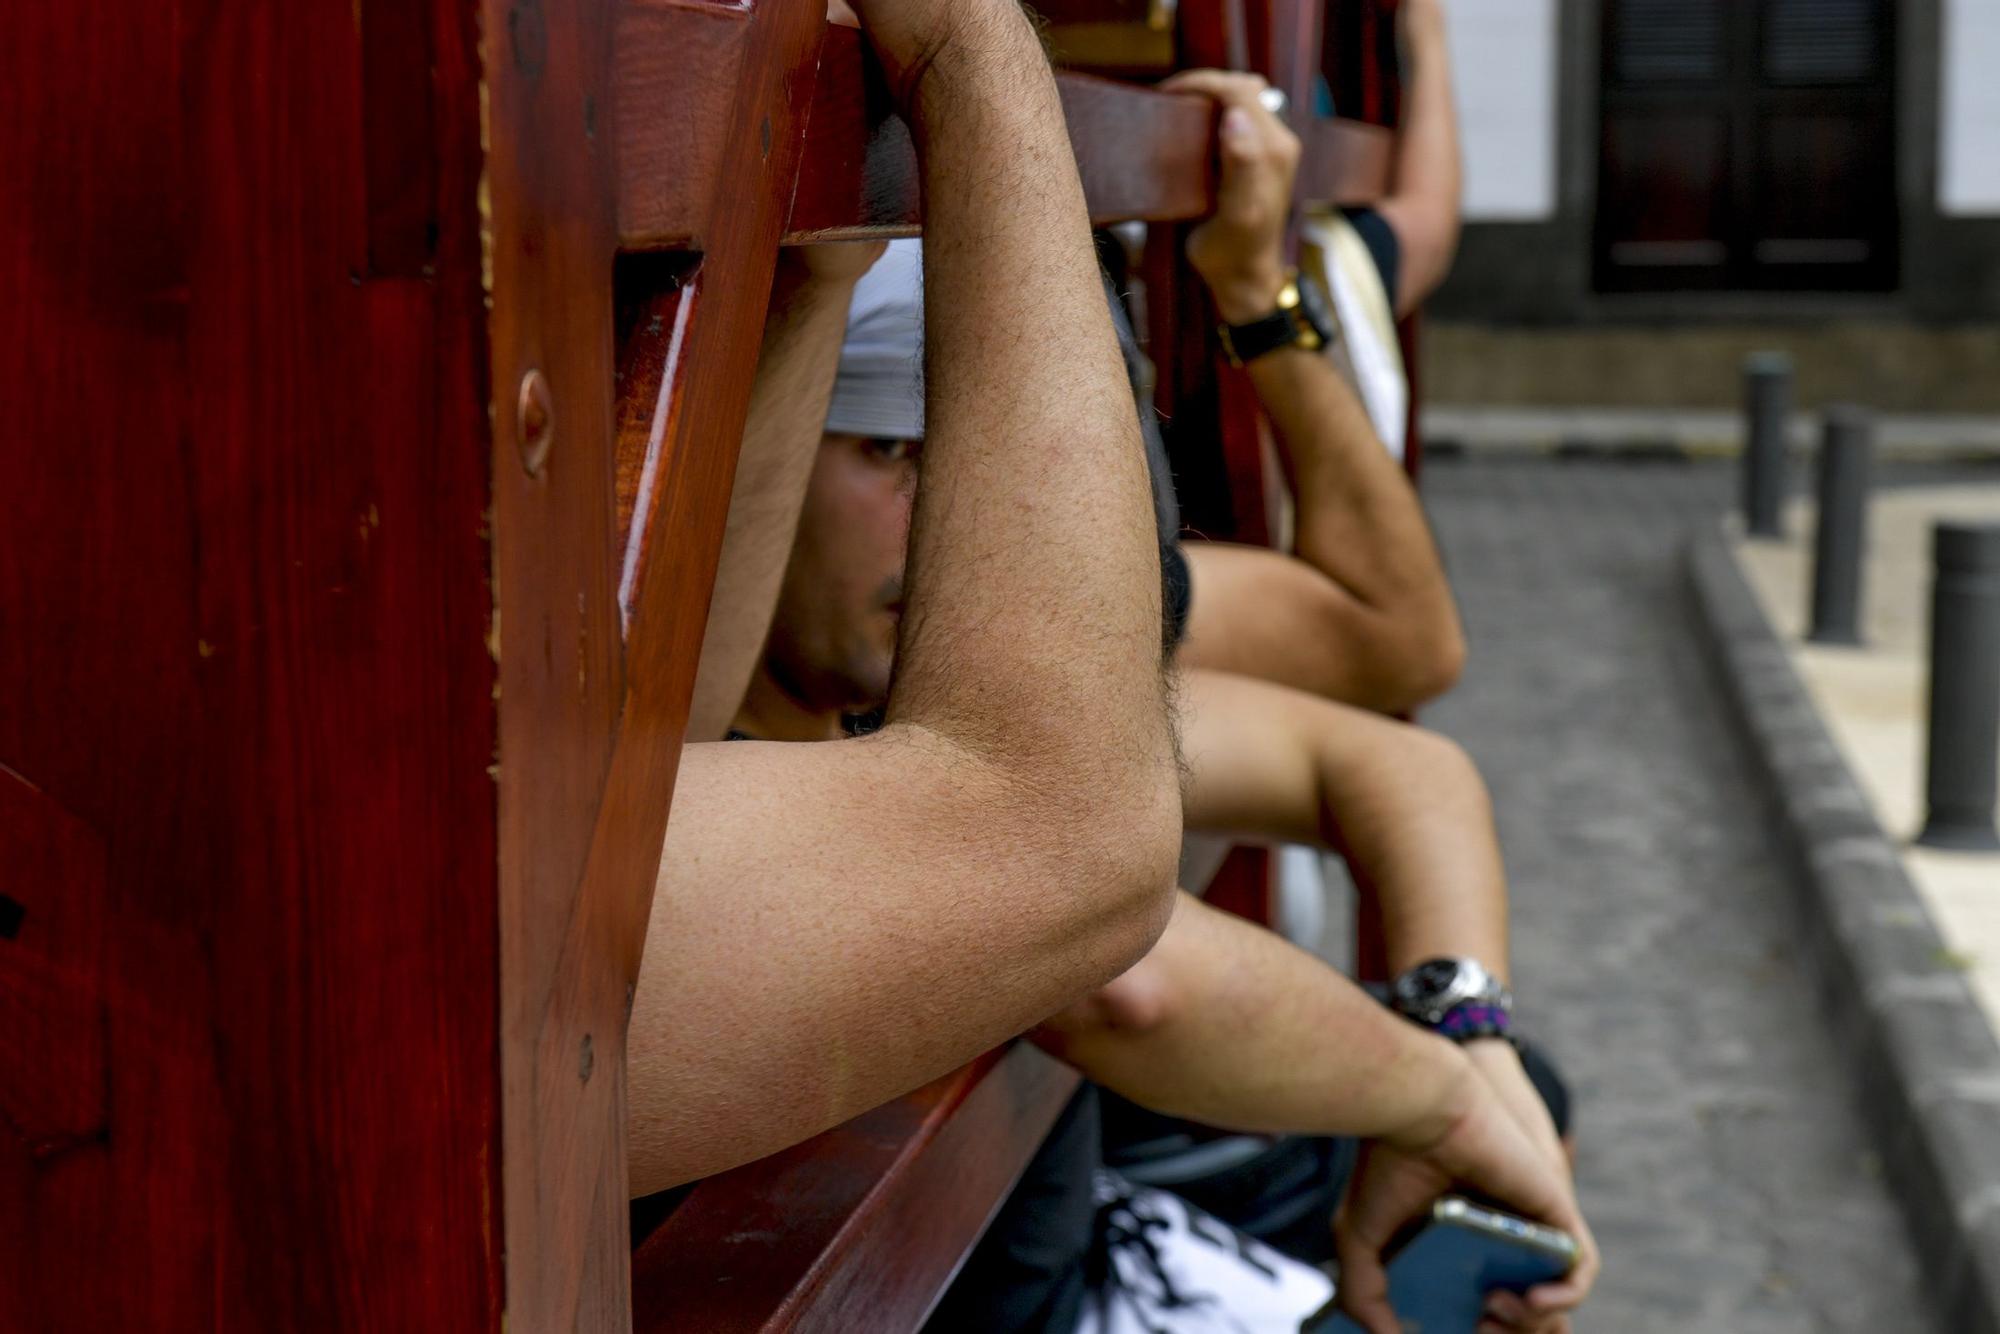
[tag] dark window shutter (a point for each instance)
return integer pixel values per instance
(1821, 41)
(1669, 41)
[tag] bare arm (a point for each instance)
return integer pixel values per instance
(1226, 1023)
(809, 299)
(1229, 1024)
(1424, 197)
(1363, 613)
(1406, 807)
(837, 923)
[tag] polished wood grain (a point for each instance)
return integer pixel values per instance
(369, 503)
(246, 818)
(862, 1227)
(1141, 154)
(1345, 162)
(601, 618)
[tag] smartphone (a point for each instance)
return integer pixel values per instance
(1441, 1272)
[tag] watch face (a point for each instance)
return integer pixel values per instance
(1314, 306)
(1434, 986)
(1422, 983)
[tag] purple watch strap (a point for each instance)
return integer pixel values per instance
(1475, 1019)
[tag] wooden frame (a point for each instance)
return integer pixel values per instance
(377, 410)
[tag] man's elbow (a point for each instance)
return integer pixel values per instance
(1137, 1002)
(1438, 659)
(1420, 664)
(1131, 851)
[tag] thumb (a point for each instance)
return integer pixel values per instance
(1236, 143)
(1237, 135)
(1363, 1290)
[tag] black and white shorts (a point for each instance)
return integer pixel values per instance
(1161, 1266)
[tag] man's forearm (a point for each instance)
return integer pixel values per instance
(1410, 813)
(1424, 193)
(788, 403)
(1032, 628)
(1359, 519)
(1228, 1024)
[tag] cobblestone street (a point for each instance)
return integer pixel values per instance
(1721, 1158)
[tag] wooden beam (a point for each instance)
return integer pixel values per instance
(1143, 154)
(1345, 162)
(861, 1228)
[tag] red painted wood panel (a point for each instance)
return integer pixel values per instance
(244, 607)
(598, 653)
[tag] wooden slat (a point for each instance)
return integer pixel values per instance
(596, 647)
(1142, 154)
(1344, 162)
(861, 1228)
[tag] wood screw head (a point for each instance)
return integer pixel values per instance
(535, 423)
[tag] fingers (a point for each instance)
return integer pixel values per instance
(1389, 1190)
(1491, 1152)
(1238, 92)
(1364, 1288)
(1509, 1313)
(1232, 87)
(1568, 1294)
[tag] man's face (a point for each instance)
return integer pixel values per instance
(834, 639)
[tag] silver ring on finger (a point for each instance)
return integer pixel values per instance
(1274, 101)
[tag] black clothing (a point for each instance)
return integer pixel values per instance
(1383, 246)
(1029, 1271)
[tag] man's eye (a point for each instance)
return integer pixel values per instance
(892, 451)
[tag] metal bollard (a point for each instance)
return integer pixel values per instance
(1960, 780)
(1767, 407)
(1840, 540)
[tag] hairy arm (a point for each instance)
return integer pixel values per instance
(837, 923)
(1424, 196)
(1229, 1024)
(1362, 612)
(1405, 807)
(1226, 1023)
(788, 401)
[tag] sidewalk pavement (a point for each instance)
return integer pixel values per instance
(1894, 984)
(1874, 698)
(1729, 1176)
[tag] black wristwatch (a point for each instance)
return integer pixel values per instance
(1301, 320)
(1454, 998)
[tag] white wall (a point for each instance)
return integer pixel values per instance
(1504, 67)
(1969, 110)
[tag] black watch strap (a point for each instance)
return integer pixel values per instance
(1292, 324)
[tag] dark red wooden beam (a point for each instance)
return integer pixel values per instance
(861, 1228)
(1344, 162)
(1144, 155)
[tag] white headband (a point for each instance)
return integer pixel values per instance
(879, 390)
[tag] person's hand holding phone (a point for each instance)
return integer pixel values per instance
(1486, 1150)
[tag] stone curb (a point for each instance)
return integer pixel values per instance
(1921, 1052)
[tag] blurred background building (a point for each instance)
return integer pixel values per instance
(1657, 187)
